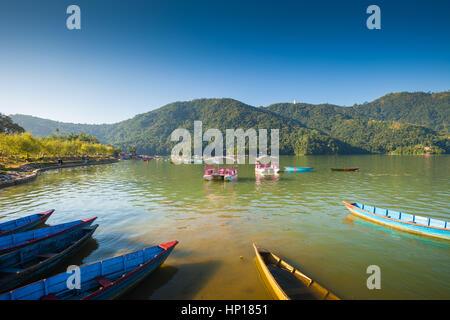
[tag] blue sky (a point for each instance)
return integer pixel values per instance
(134, 56)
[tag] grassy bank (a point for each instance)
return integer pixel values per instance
(18, 151)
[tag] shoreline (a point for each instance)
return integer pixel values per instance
(12, 178)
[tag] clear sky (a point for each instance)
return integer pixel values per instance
(134, 56)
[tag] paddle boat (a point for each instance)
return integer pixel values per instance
(145, 157)
(267, 169)
(215, 171)
(17, 267)
(106, 279)
(231, 174)
(25, 223)
(298, 169)
(401, 221)
(22, 241)
(344, 169)
(211, 174)
(286, 282)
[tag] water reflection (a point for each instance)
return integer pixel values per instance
(299, 216)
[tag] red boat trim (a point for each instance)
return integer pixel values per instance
(347, 204)
(50, 235)
(102, 289)
(168, 245)
(44, 216)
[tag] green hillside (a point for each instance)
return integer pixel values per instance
(395, 123)
(150, 132)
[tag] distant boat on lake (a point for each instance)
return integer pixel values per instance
(298, 169)
(344, 169)
(401, 221)
(267, 169)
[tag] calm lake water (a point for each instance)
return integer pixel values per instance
(299, 216)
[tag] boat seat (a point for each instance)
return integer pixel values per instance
(104, 282)
(11, 270)
(45, 255)
(49, 297)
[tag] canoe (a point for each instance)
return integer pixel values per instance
(401, 221)
(298, 169)
(344, 169)
(25, 223)
(20, 269)
(286, 282)
(20, 241)
(106, 279)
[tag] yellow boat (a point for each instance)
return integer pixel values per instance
(287, 283)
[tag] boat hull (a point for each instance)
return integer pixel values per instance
(106, 279)
(344, 169)
(25, 223)
(290, 284)
(24, 240)
(266, 171)
(298, 169)
(402, 221)
(231, 178)
(65, 248)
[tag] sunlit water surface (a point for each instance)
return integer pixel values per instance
(299, 216)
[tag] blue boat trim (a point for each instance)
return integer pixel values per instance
(400, 220)
(24, 223)
(18, 240)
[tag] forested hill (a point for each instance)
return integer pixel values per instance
(43, 127)
(431, 110)
(8, 126)
(387, 125)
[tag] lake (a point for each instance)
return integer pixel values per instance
(299, 216)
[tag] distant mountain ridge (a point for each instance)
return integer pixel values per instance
(398, 122)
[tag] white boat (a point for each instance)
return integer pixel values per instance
(267, 169)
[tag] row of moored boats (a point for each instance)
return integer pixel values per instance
(26, 253)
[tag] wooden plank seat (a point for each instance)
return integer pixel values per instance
(104, 282)
(46, 255)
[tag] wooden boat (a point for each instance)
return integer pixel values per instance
(287, 283)
(106, 279)
(298, 169)
(25, 223)
(19, 267)
(20, 241)
(344, 169)
(401, 221)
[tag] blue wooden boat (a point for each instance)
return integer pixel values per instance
(298, 169)
(19, 241)
(106, 279)
(25, 223)
(401, 221)
(19, 267)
